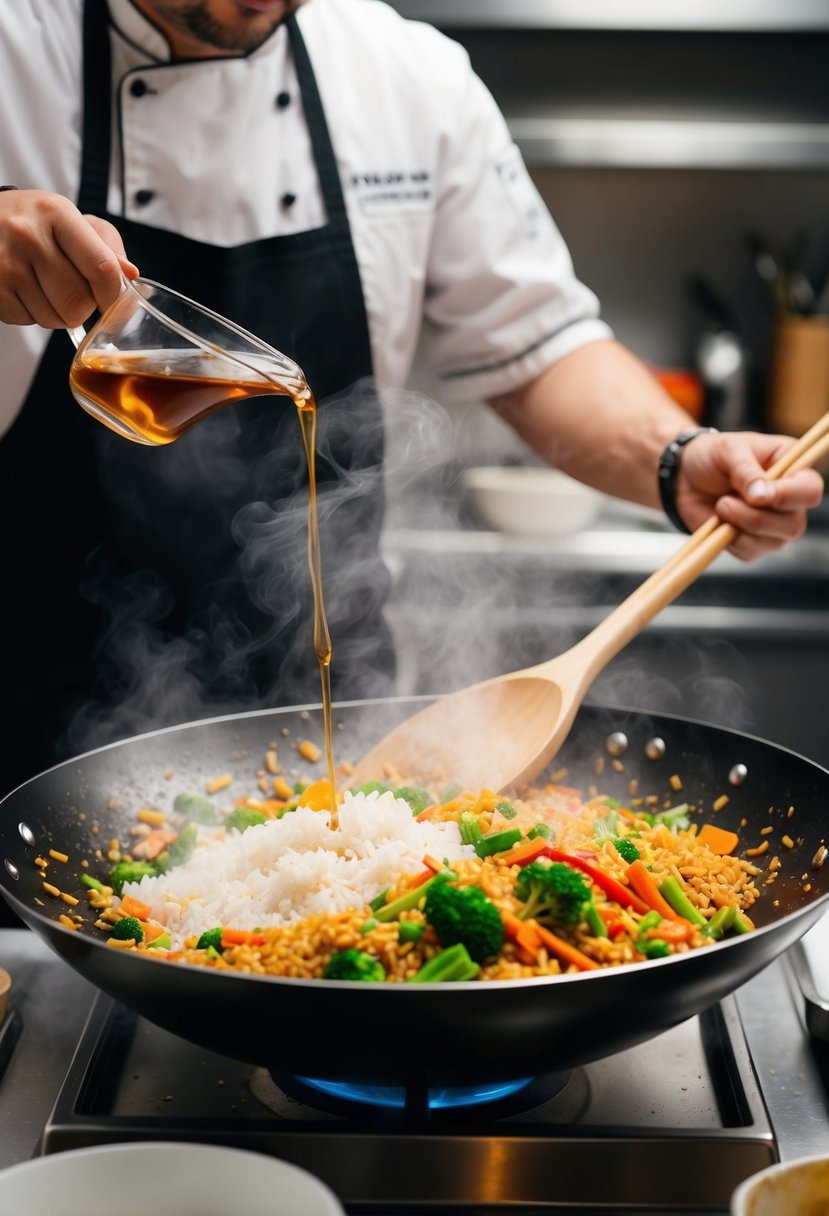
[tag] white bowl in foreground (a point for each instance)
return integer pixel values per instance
(531, 501)
(164, 1179)
(793, 1188)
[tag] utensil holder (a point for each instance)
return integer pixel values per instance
(799, 374)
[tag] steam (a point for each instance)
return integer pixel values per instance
(454, 619)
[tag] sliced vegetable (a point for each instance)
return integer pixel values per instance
(93, 883)
(675, 817)
(541, 831)
(681, 904)
(410, 930)
(131, 906)
(718, 840)
(506, 809)
(654, 948)
(645, 886)
(564, 952)
(379, 900)
(411, 898)
(470, 829)
(368, 925)
(161, 942)
(241, 937)
(523, 934)
(529, 850)
(594, 920)
(497, 842)
(720, 922)
(452, 965)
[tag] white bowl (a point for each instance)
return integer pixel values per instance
(532, 501)
(793, 1188)
(163, 1179)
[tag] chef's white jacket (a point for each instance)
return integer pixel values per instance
(446, 222)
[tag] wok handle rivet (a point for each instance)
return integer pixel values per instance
(617, 743)
(655, 748)
(737, 774)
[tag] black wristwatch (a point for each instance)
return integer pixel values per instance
(668, 469)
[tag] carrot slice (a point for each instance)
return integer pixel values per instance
(419, 879)
(563, 951)
(671, 931)
(718, 840)
(131, 906)
(241, 937)
(645, 886)
(523, 934)
(152, 930)
(528, 850)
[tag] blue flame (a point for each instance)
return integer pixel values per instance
(394, 1097)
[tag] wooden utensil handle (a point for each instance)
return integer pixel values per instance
(593, 652)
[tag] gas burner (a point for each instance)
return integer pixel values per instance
(497, 1099)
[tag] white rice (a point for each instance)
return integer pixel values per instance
(286, 869)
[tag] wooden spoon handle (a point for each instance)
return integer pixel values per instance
(593, 652)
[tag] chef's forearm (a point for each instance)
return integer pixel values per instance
(601, 416)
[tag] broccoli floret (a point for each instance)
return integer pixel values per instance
(183, 846)
(464, 915)
(370, 787)
(194, 808)
(450, 966)
(243, 817)
(553, 892)
(417, 798)
(210, 937)
(626, 849)
(354, 965)
(128, 928)
(133, 871)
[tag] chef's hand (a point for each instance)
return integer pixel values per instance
(56, 265)
(726, 474)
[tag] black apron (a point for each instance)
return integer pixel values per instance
(148, 586)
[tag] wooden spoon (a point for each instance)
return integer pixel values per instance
(506, 730)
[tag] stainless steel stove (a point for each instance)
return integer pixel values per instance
(669, 1126)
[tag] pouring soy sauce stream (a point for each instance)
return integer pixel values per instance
(156, 363)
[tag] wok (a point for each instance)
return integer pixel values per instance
(404, 1034)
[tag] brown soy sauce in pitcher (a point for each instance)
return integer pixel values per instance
(153, 398)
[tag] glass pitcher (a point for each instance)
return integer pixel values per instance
(155, 363)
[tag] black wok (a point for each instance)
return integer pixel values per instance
(393, 1034)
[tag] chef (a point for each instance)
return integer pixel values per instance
(331, 177)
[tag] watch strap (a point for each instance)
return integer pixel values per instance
(669, 463)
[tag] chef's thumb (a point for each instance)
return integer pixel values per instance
(749, 479)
